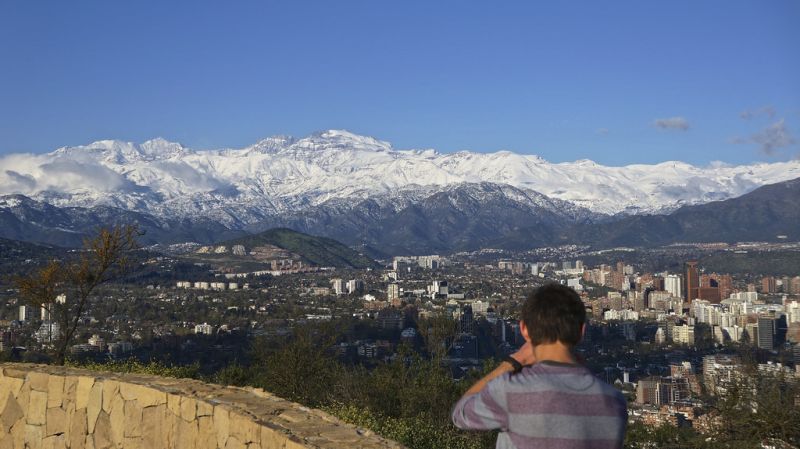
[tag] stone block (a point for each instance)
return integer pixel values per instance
(133, 443)
(54, 442)
(233, 443)
(295, 444)
(85, 384)
(133, 419)
(221, 425)
(7, 442)
(24, 398)
(38, 381)
(244, 428)
(206, 437)
(37, 408)
(56, 421)
(272, 438)
(294, 415)
(55, 391)
(70, 392)
(11, 414)
(186, 437)
(188, 409)
(171, 424)
(154, 427)
(149, 397)
(18, 433)
(128, 391)
(95, 405)
(204, 408)
(34, 435)
(102, 437)
(11, 371)
(117, 417)
(11, 385)
(110, 389)
(77, 429)
(174, 403)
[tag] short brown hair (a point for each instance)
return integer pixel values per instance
(554, 312)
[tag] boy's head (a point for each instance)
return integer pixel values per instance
(553, 313)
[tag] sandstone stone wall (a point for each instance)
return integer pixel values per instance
(56, 407)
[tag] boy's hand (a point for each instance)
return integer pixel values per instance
(525, 354)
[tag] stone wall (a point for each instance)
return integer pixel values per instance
(55, 407)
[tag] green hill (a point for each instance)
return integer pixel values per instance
(319, 251)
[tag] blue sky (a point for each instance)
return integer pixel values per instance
(616, 82)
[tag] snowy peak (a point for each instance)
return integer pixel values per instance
(283, 174)
(121, 152)
(336, 138)
(159, 148)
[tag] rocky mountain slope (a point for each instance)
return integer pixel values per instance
(238, 187)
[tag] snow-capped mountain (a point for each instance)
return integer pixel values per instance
(280, 175)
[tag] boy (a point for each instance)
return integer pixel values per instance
(540, 397)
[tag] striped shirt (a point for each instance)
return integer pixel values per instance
(547, 405)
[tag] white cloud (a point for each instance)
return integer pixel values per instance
(749, 114)
(770, 139)
(672, 123)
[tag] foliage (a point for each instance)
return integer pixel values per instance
(320, 251)
(153, 368)
(666, 436)
(759, 406)
(103, 258)
(439, 332)
(414, 432)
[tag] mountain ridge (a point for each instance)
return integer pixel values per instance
(463, 217)
(283, 174)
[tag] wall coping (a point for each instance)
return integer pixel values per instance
(266, 420)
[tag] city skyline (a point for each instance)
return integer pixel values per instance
(615, 84)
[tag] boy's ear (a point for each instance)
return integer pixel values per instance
(524, 330)
(583, 330)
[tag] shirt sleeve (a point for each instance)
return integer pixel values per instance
(484, 410)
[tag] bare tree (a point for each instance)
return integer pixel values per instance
(104, 257)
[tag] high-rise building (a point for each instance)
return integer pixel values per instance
(438, 288)
(338, 286)
(725, 285)
(768, 285)
(355, 286)
(794, 285)
(466, 321)
(766, 332)
(691, 281)
(46, 311)
(683, 334)
(393, 292)
(672, 284)
(792, 312)
(24, 312)
(719, 371)
(710, 294)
